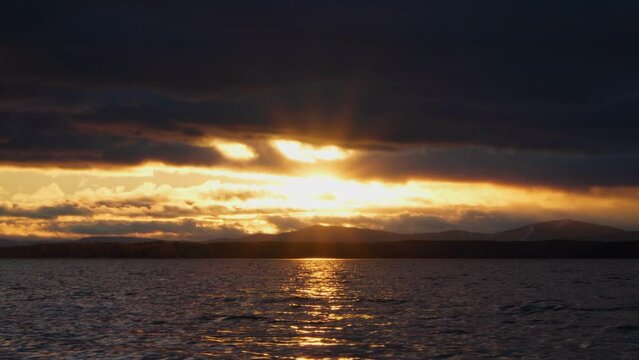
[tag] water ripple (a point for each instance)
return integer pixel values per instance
(287, 309)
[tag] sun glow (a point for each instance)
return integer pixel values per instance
(168, 201)
(328, 193)
(301, 152)
(235, 150)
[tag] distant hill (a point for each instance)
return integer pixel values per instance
(319, 233)
(5, 242)
(558, 229)
(25, 242)
(548, 230)
(451, 235)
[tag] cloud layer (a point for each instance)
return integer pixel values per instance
(521, 94)
(533, 75)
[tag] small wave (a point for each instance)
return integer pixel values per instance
(210, 318)
(454, 332)
(286, 299)
(244, 317)
(607, 309)
(226, 299)
(385, 301)
(627, 328)
(542, 306)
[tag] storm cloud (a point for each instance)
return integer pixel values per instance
(542, 92)
(45, 212)
(185, 229)
(565, 170)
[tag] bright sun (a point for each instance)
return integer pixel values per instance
(306, 153)
(235, 150)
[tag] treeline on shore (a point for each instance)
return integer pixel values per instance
(282, 249)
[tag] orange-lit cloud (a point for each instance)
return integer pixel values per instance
(379, 122)
(235, 150)
(306, 153)
(195, 202)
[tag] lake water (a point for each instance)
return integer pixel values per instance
(536, 309)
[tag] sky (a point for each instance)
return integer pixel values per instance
(207, 119)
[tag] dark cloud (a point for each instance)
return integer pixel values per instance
(479, 220)
(172, 212)
(44, 141)
(123, 83)
(569, 170)
(142, 202)
(495, 220)
(45, 212)
(287, 223)
(153, 207)
(241, 195)
(185, 229)
(418, 222)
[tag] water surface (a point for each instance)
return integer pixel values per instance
(103, 308)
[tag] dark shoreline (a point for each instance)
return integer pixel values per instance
(379, 250)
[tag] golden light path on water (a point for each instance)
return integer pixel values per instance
(326, 280)
(309, 304)
(316, 308)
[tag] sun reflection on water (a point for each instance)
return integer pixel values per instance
(314, 310)
(320, 278)
(320, 289)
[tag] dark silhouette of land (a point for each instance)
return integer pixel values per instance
(552, 239)
(288, 249)
(548, 230)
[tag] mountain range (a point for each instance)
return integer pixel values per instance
(548, 230)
